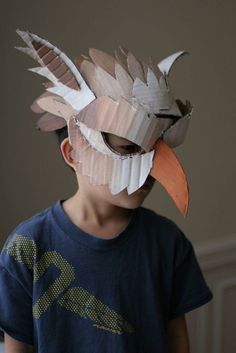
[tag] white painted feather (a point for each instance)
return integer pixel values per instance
(166, 64)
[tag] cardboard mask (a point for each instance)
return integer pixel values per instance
(118, 95)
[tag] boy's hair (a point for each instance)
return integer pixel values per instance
(61, 134)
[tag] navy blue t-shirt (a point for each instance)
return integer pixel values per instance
(63, 290)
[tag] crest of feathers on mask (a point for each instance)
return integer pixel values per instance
(102, 81)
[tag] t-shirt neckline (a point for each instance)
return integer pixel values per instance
(79, 235)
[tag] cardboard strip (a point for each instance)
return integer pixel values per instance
(96, 140)
(120, 176)
(140, 169)
(168, 171)
(89, 162)
(130, 121)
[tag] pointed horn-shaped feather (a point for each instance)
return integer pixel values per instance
(153, 66)
(29, 51)
(25, 36)
(52, 53)
(135, 67)
(88, 70)
(104, 60)
(125, 81)
(145, 70)
(121, 57)
(166, 64)
(45, 72)
(109, 85)
(68, 81)
(168, 171)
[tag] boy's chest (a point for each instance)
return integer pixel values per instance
(99, 288)
(115, 297)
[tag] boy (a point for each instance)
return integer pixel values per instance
(98, 272)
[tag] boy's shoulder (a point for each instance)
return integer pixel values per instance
(153, 215)
(159, 222)
(164, 231)
(32, 227)
(21, 246)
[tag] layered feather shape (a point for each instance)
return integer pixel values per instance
(59, 69)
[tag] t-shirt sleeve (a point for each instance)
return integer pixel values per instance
(189, 288)
(15, 308)
(16, 284)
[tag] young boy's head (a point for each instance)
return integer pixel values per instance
(121, 117)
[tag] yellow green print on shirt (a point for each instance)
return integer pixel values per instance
(81, 302)
(22, 249)
(66, 276)
(77, 300)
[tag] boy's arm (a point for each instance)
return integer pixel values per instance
(14, 346)
(177, 332)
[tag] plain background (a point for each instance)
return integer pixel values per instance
(33, 175)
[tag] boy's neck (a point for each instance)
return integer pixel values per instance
(96, 217)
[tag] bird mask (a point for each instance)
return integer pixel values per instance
(119, 95)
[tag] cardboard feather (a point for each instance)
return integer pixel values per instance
(50, 122)
(166, 64)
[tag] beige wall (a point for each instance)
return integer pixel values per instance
(32, 173)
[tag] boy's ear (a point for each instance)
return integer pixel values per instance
(66, 150)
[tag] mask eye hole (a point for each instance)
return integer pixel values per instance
(120, 145)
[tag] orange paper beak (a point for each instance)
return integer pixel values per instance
(168, 171)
